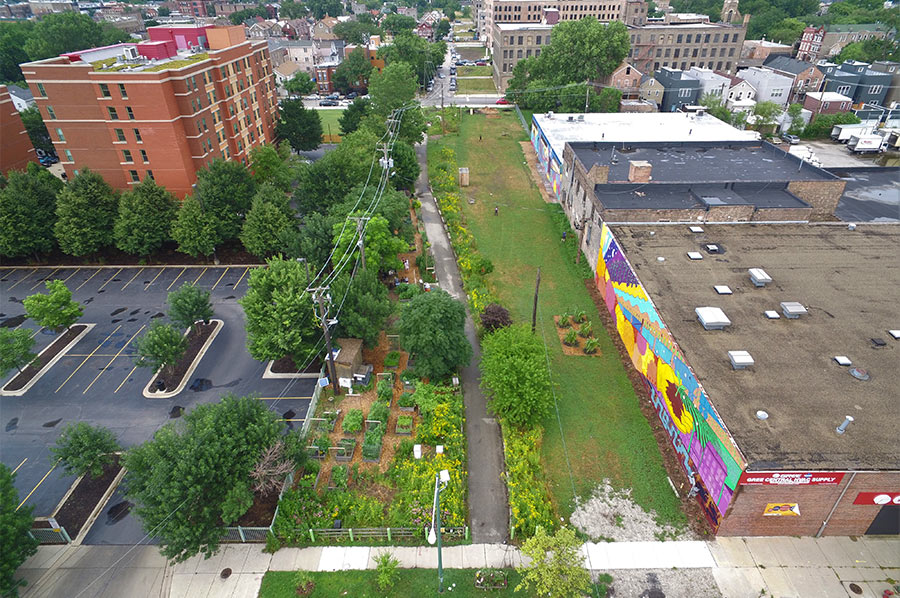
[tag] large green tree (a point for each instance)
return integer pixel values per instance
(188, 305)
(300, 84)
(272, 164)
(366, 307)
(406, 166)
(350, 118)
(162, 345)
(196, 230)
(556, 566)
(68, 31)
(28, 212)
(381, 246)
(870, 50)
(356, 32)
(264, 227)
(353, 72)
(55, 310)
(392, 89)
(193, 477)
(299, 126)
(514, 375)
(13, 36)
(394, 23)
(279, 312)
(144, 222)
(320, 8)
(85, 449)
(424, 58)
(225, 190)
(86, 211)
(15, 543)
(432, 327)
(328, 180)
(15, 349)
(393, 205)
(36, 129)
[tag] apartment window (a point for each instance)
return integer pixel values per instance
(706, 39)
(130, 112)
(731, 51)
(205, 128)
(716, 38)
(824, 105)
(144, 157)
(113, 115)
(684, 93)
(104, 90)
(677, 51)
(120, 135)
(694, 54)
(843, 89)
(777, 93)
(719, 66)
(876, 89)
(126, 156)
(223, 71)
(122, 91)
(68, 156)
(519, 54)
(134, 176)
(687, 39)
(137, 136)
(520, 40)
(60, 136)
(193, 105)
(843, 105)
(679, 38)
(712, 52)
(537, 40)
(41, 90)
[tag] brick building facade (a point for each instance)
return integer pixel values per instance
(16, 150)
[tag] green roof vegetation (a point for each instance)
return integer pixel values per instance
(109, 64)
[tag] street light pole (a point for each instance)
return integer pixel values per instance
(441, 479)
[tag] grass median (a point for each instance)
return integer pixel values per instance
(465, 86)
(329, 119)
(602, 425)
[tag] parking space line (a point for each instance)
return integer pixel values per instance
(77, 270)
(201, 275)
(284, 398)
(36, 332)
(24, 278)
(220, 278)
(37, 284)
(100, 373)
(88, 357)
(89, 279)
(176, 279)
(125, 380)
(132, 278)
(38, 484)
(20, 465)
(109, 280)
(161, 270)
(240, 279)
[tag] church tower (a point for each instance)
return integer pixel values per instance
(730, 12)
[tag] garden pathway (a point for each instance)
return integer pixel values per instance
(488, 504)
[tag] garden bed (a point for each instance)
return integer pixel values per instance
(58, 345)
(286, 365)
(75, 511)
(404, 425)
(174, 377)
(346, 450)
(578, 347)
(261, 512)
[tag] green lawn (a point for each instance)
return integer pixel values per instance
(329, 120)
(605, 432)
(474, 71)
(471, 53)
(414, 583)
(465, 86)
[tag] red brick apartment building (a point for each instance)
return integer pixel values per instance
(162, 109)
(16, 150)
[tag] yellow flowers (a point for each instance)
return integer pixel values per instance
(529, 502)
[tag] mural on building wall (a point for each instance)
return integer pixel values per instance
(549, 165)
(708, 454)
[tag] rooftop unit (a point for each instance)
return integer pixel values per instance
(712, 318)
(792, 309)
(740, 359)
(759, 277)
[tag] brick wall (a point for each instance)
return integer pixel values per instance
(745, 516)
(823, 196)
(16, 150)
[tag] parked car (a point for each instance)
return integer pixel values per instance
(328, 103)
(502, 101)
(313, 96)
(441, 76)
(481, 63)
(352, 95)
(792, 139)
(333, 96)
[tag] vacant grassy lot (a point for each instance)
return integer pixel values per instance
(417, 583)
(474, 71)
(605, 432)
(329, 120)
(475, 86)
(471, 53)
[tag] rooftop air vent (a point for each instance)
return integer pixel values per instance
(581, 118)
(722, 289)
(878, 342)
(570, 118)
(759, 277)
(740, 359)
(712, 248)
(842, 360)
(712, 318)
(895, 334)
(792, 309)
(696, 229)
(695, 255)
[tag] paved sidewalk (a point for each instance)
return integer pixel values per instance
(488, 503)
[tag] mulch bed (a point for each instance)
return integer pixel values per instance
(286, 365)
(696, 519)
(77, 508)
(233, 254)
(31, 370)
(261, 513)
(171, 376)
(578, 347)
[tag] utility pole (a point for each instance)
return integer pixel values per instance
(332, 372)
(587, 94)
(537, 285)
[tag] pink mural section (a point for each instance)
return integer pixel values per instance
(707, 452)
(549, 164)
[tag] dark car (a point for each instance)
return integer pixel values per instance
(352, 95)
(333, 96)
(460, 63)
(328, 103)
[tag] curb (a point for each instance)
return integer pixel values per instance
(100, 267)
(50, 364)
(101, 504)
(190, 371)
(270, 375)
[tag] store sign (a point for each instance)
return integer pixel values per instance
(782, 509)
(877, 498)
(789, 478)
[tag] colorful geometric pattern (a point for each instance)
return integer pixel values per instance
(549, 163)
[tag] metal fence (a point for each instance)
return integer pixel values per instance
(240, 533)
(45, 535)
(522, 119)
(390, 534)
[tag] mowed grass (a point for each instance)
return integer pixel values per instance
(605, 432)
(474, 71)
(329, 119)
(471, 53)
(475, 86)
(414, 583)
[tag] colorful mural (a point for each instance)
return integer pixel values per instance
(549, 164)
(708, 454)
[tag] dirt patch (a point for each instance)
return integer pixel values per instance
(31, 370)
(578, 347)
(261, 512)
(75, 511)
(286, 365)
(490, 112)
(172, 375)
(532, 159)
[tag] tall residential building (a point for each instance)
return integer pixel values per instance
(16, 150)
(162, 109)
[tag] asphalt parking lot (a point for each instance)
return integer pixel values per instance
(98, 382)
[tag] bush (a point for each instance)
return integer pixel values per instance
(380, 412)
(386, 570)
(353, 421)
(406, 400)
(408, 291)
(591, 345)
(85, 449)
(392, 359)
(385, 390)
(304, 582)
(564, 320)
(571, 338)
(494, 317)
(586, 330)
(339, 476)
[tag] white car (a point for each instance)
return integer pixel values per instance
(314, 96)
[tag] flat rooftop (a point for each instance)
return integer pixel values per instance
(636, 127)
(848, 282)
(871, 194)
(687, 196)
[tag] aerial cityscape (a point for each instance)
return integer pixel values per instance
(469, 297)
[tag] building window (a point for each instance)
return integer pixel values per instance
(122, 91)
(120, 135)
(51, 113)
(144, 157)
(130, 112)
(113, 115)
(134, 176)
(60, 136)
(41, 90)
(876, 89)
(68, 156)
(843, 89)
(104, 90)
(684, 93)
(126, 156)
(824, 105)
(137, 136)
(679, 38)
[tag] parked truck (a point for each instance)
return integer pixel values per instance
(842, 133)
(865, 144)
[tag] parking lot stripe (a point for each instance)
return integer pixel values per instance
(20, 465)
(91, 354)
(77, 270)
(37, 284)
(24, 278)
(38, 484)
(176, 279)
(161, 270)
(132, 278)
(121, 384)
(220, 278)
(109, 280)
(284, 398)
(241, 278)
(201, 275)
(100, 373)
(36, 332)
(89, 278)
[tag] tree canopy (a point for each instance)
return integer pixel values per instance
(366, 307)
(432, 328)
(299, 126)
(272, 164)
(381, 245)
(36, 128)
(196, 230)
(15, 543)
(161, 345)
(15, 349)
(329, 179)
(556, 565)
(395, 23)
(85, 449)
(28, 211)
(144, 221)
(356, 32)
(353, 72)
(55, 310)
(321, 8)
(300, 84)
(189, 304)
(351, 117)
(86, 211)
(225, 189)
(393, 88)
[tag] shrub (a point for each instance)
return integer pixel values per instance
(304, 582)
(322, 444)
(408, 291)
(586, 330)
(372, 442)
(580, 316)
(386, 570)
(269, 473)
(353, 421)
(392, 359)
(406, 400)
(571, 338)
(494, 317)
(85, 449)
(339, 476)
(404, 423)
(591, 345)
(380, 412)
(385, 390)
(564, 321)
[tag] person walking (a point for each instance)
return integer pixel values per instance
(496, 210)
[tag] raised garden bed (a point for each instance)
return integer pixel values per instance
(319, 448)
(371, 449)
(353, 422)
(261, 512)
(330, 418)
(338, 479)
(46, 356)
(490, 579)
(404, 425)
(286, 365)
(346, 448)
(392, 360)
(74, 512)
(406, 402)
(171, 378)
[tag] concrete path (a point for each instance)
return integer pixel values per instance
(488, 503)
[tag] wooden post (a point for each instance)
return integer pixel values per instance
(537, 285)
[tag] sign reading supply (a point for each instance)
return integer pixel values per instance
(877, 498)
(782, 509)
(789, 478)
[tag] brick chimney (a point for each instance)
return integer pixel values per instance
(639, 171)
